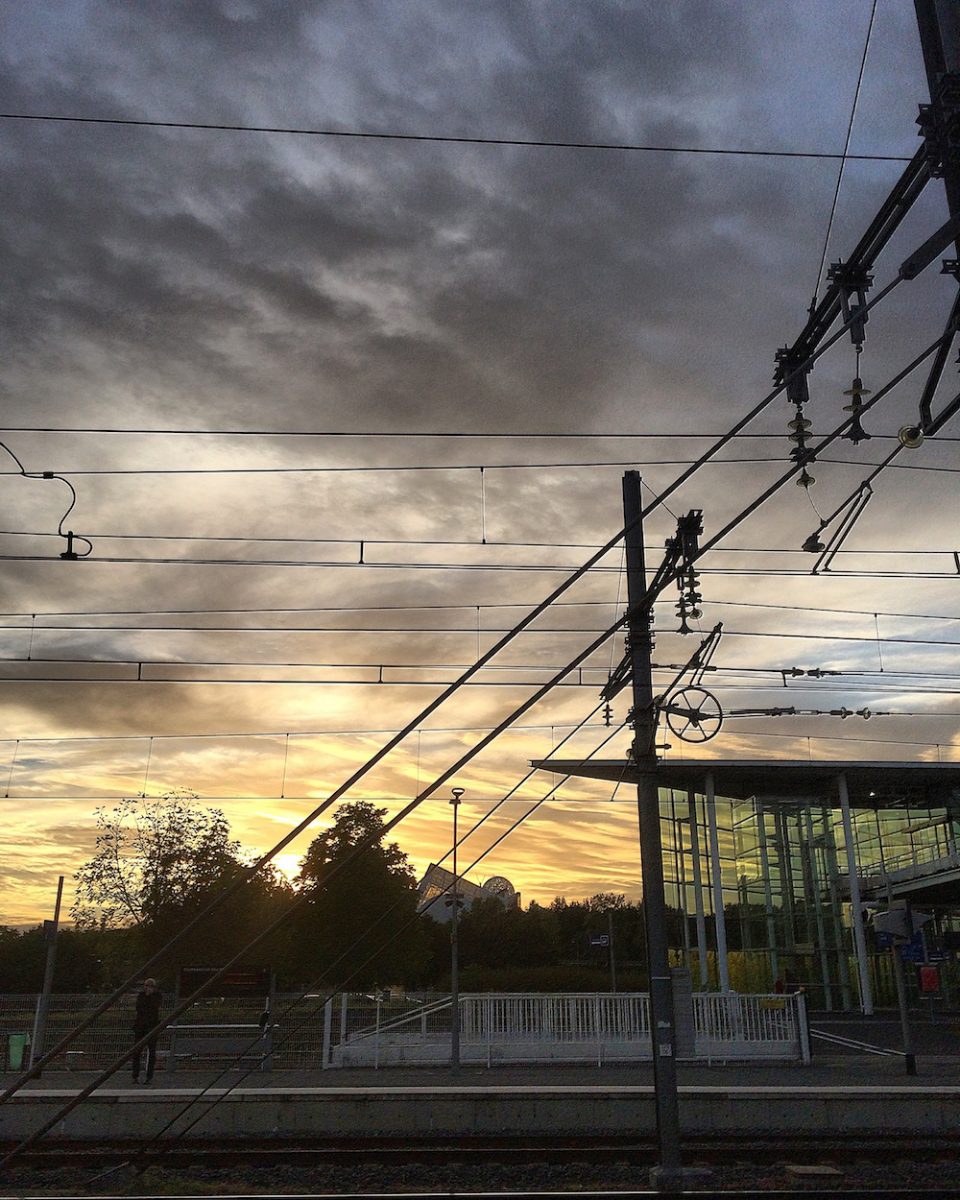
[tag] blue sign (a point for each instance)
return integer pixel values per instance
(912, 951)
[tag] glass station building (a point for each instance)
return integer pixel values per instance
(772, 869)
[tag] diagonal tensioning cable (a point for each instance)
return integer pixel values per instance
(144, 1151)
(520, 782)
(305, 1018)
(484, 742)
(910, 269)
(648, 597)
(844, 156)
(300, 900)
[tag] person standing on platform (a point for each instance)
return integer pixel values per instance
(147, 1016)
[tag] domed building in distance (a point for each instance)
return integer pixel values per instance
(436, 892)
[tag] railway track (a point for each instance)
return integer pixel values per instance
(755, 1150)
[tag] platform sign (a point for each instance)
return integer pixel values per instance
(600, 939)
(913, 950)
(238, 981)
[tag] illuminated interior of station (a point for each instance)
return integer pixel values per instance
(773, 870)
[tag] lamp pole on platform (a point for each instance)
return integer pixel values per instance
(455, 944)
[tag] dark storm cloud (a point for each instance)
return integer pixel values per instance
(392, 284)
(164, 277)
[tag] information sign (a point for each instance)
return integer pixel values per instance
(912, 951)
(238, 981)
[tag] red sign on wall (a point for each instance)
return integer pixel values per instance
(929, 979)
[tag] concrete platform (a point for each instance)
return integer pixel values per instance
(832, 1096)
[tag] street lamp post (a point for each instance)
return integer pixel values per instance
(50, 931)
(454, 944)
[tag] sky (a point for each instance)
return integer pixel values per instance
(267, 597)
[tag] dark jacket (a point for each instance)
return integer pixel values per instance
(148, 1012)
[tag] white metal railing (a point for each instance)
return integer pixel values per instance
(907, 867)
(750, 1026)
(600, 1027)
(376, 1031)
(559, 1018)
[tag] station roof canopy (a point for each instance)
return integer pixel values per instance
(869, 784)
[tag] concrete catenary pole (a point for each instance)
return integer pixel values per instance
(639, 643)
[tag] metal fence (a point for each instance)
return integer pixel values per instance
(756, 1026)
(587, 1027)
(214, 1031)
(379, 1029)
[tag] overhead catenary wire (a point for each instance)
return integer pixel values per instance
(450, 139)
(578, 681)
(406, 434)
(852, 572)
(493, 543)
(277, 735)
(515, 715)
(429, 606)
(846, 147)
(431, 631)
(58, 477)
(493, 568)
(450, 468)
(587, 676)
(747, 734)
(850, 737)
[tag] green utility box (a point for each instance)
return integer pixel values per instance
(17, 1044)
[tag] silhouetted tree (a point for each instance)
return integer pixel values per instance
(359, 926)
(83, 959)
(158, 863)
(494, 936)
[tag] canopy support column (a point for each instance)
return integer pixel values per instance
(859, 938)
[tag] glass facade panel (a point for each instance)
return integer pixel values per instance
(785, 883)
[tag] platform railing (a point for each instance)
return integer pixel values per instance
(575, 1027)
(377, 1029)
